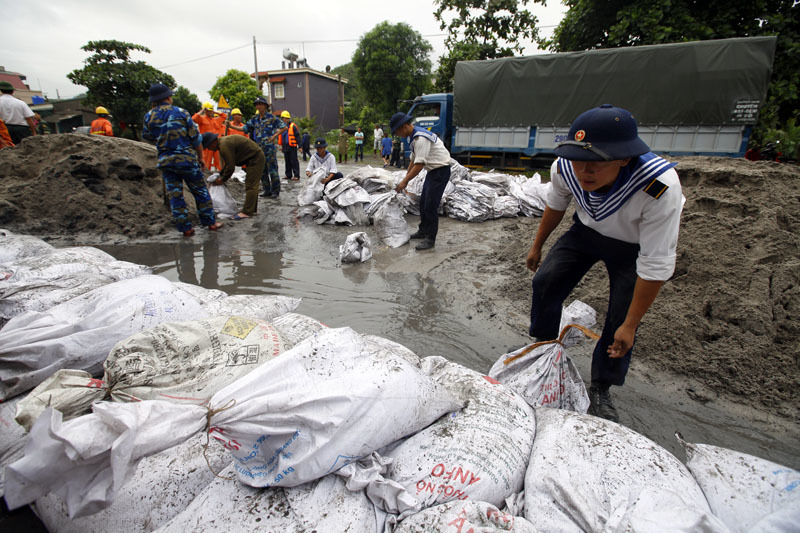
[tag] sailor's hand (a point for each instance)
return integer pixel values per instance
(623, 341)
(534, 259)
(401, 186)
(308, 173)
(218, 181)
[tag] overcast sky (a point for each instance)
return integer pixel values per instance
(198, 41)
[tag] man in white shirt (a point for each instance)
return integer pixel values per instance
(377, 135)
(325, 160)
(628, 210)
(428, 152)
(16, 114)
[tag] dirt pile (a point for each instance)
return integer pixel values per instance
(730, 316)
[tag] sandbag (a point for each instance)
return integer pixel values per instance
(221, 197)
(312, 190)
(477, 453)
(41, 282)
(324, 506)
(464, 517)
(295, 328)
(390, 224)
(257, 306)
(543, 373)
(590, 474)
(357, 248)
(746, 492)
(14, 247)
(299, 417)
(163, 485)
(80, 332)
(578, 313)
(12, 437)
(471, 202)
(182, 362)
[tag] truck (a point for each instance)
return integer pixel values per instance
(692, 98)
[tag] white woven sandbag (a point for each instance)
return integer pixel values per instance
(14, 247)
(222, 199)
(182, 362)
(295, 327)
(464, 517)
(590, 474)
(201, 293)
(578, 313)
(746, 492)
(357, 248)
(312, 190)
(505, 206)
(163, 485)
(12, 437)
(80, 332)
(390, 224)
(257, 306)
(300, 416)
(471, 202)
(41, 282)
(543, 373)
(478, 453)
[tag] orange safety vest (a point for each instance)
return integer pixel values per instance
(292, 136)
(4, 134)
(101, 126)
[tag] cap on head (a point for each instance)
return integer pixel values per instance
(605, 133)
(397, 120)
(208, 105)
(285, 114)
(320, 143)
(261, 100)
(5, 86)
(100, 110)
(236, 111)
(209, 138)
(159, 91)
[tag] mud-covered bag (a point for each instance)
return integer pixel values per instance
(357, 248)
(544, 374)
(463, 517)
(221, 197)
(14, 246)
(390, 224)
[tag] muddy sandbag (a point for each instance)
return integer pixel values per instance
(41, 282)
(580, 314)
(471, 202)
(312, 190)
(505, 206)
(257, 306)
(15, 246)
(224, 202)
(182, 362)
(543, 373)
(80, 332)
(163, 485)
(531, 193)
(294, 419)
(478, 453)
(202, 294)
(357, 248)
(590, 474)
(746, 492)
(458, 172)
(324, 505)
(12, 437)
(464, 516)
(295, 328)
(390, 224)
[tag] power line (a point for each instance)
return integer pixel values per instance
(206, 57)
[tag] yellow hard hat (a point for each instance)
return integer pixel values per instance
(236, 112)
(100, 110)
(208, 105)
(285, 114)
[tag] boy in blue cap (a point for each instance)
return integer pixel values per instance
(180, 156)
(627, 214)
(428, 152)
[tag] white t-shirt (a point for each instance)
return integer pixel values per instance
(14, 111)
(377, 134)
(328, 163)
(650, 222)
(431, 154)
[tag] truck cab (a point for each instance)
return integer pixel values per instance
(434, 112)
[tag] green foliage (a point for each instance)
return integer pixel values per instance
(310, 125)
(481, 29)
(240, 91)
(116, 82)
(333, 142)
(186, 99)
(787, 139)
(610, 23)
(391, 63)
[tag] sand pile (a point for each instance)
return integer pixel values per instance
(730, 316)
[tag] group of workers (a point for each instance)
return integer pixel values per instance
(628, 203)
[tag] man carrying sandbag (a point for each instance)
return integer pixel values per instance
(238, 150)
(627, 214)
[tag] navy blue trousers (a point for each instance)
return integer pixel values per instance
(565, 265)
(432, 191)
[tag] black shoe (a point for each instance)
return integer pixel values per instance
(600, 403)
(417, 235)
(265, 194)
(425, 245)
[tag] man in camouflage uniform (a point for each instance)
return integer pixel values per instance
(263, 128)
(180, 156)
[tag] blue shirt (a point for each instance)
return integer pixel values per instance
(386, 145)
(261, 129)
(175, 135)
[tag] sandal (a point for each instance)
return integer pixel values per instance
(188, 232)
(215, 226)
(238, 217)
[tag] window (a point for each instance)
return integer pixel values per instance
(279, 90)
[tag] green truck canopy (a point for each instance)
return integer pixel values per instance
(703, 82)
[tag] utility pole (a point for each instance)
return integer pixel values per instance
(255, 63)
(341, 100)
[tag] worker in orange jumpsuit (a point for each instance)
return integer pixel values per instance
(101, 125)
(236, 120)
(209, 121)
(5, 138)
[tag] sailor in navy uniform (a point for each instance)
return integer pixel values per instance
(627, 215)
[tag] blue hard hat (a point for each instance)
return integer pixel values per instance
(605, 133)
(159, 91)
(397, 120)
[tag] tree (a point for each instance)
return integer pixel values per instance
(116, 82)
(186, 99)
(391, 63)
(239, 89)
(481, 29)
(610, 23)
